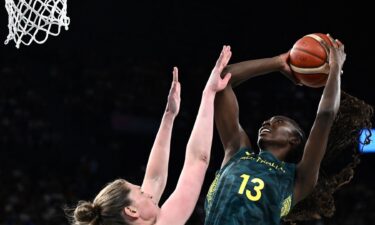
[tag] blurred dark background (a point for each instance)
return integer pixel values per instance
(83, 108)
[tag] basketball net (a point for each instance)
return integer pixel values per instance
(35, 20)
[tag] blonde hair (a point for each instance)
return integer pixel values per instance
(107, 207)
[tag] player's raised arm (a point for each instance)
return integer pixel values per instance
(245, 70)
(232, 136)
(308, 168)
(157, 167)
(181, 203)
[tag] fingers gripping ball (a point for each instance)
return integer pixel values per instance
(309, 59)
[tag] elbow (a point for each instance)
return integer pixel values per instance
(201, 159)
(204, 158)
(309, 188)
(197, 154)
(306, 184)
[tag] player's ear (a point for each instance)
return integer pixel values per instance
(294, 141)
(131, 212)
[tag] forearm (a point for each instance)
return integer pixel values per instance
(315, 148)
(330, 101)
(200, 141)
(248, 69)
(157, 166)
(317, 143)
(327, 110)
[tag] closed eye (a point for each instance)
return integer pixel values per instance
(278, 121)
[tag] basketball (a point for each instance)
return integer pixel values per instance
(309, 59)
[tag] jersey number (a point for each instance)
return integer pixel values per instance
(257, 188)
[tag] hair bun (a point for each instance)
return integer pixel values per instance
(86, 213)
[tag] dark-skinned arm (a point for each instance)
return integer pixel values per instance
(232, 136)
(315, 148)
(245, 70)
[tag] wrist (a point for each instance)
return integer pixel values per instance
(208, 93)
(279, 62)
(334, 66)
(168, 115)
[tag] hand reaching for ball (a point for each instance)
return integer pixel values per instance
(337, 54)
(285, 68)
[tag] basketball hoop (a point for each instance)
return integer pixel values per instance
(35, 20)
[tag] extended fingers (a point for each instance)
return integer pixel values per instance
(340, 44)
(220, 59)
(175, 86)
(175, 74)
(227, 56)
(333, 42)
(336, 43)
(224, 57)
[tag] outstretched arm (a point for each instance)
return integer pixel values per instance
(308, 168)
(245, 70)
(233, 137)
(157, 167)
(181, 203)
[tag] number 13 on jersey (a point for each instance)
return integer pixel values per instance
(258, 188)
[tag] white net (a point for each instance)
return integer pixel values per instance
(35, 20)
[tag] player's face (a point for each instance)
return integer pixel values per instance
(275, 132)
(147, 209)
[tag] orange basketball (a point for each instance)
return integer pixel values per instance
(309, 59)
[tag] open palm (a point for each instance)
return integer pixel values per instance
(215, 82)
